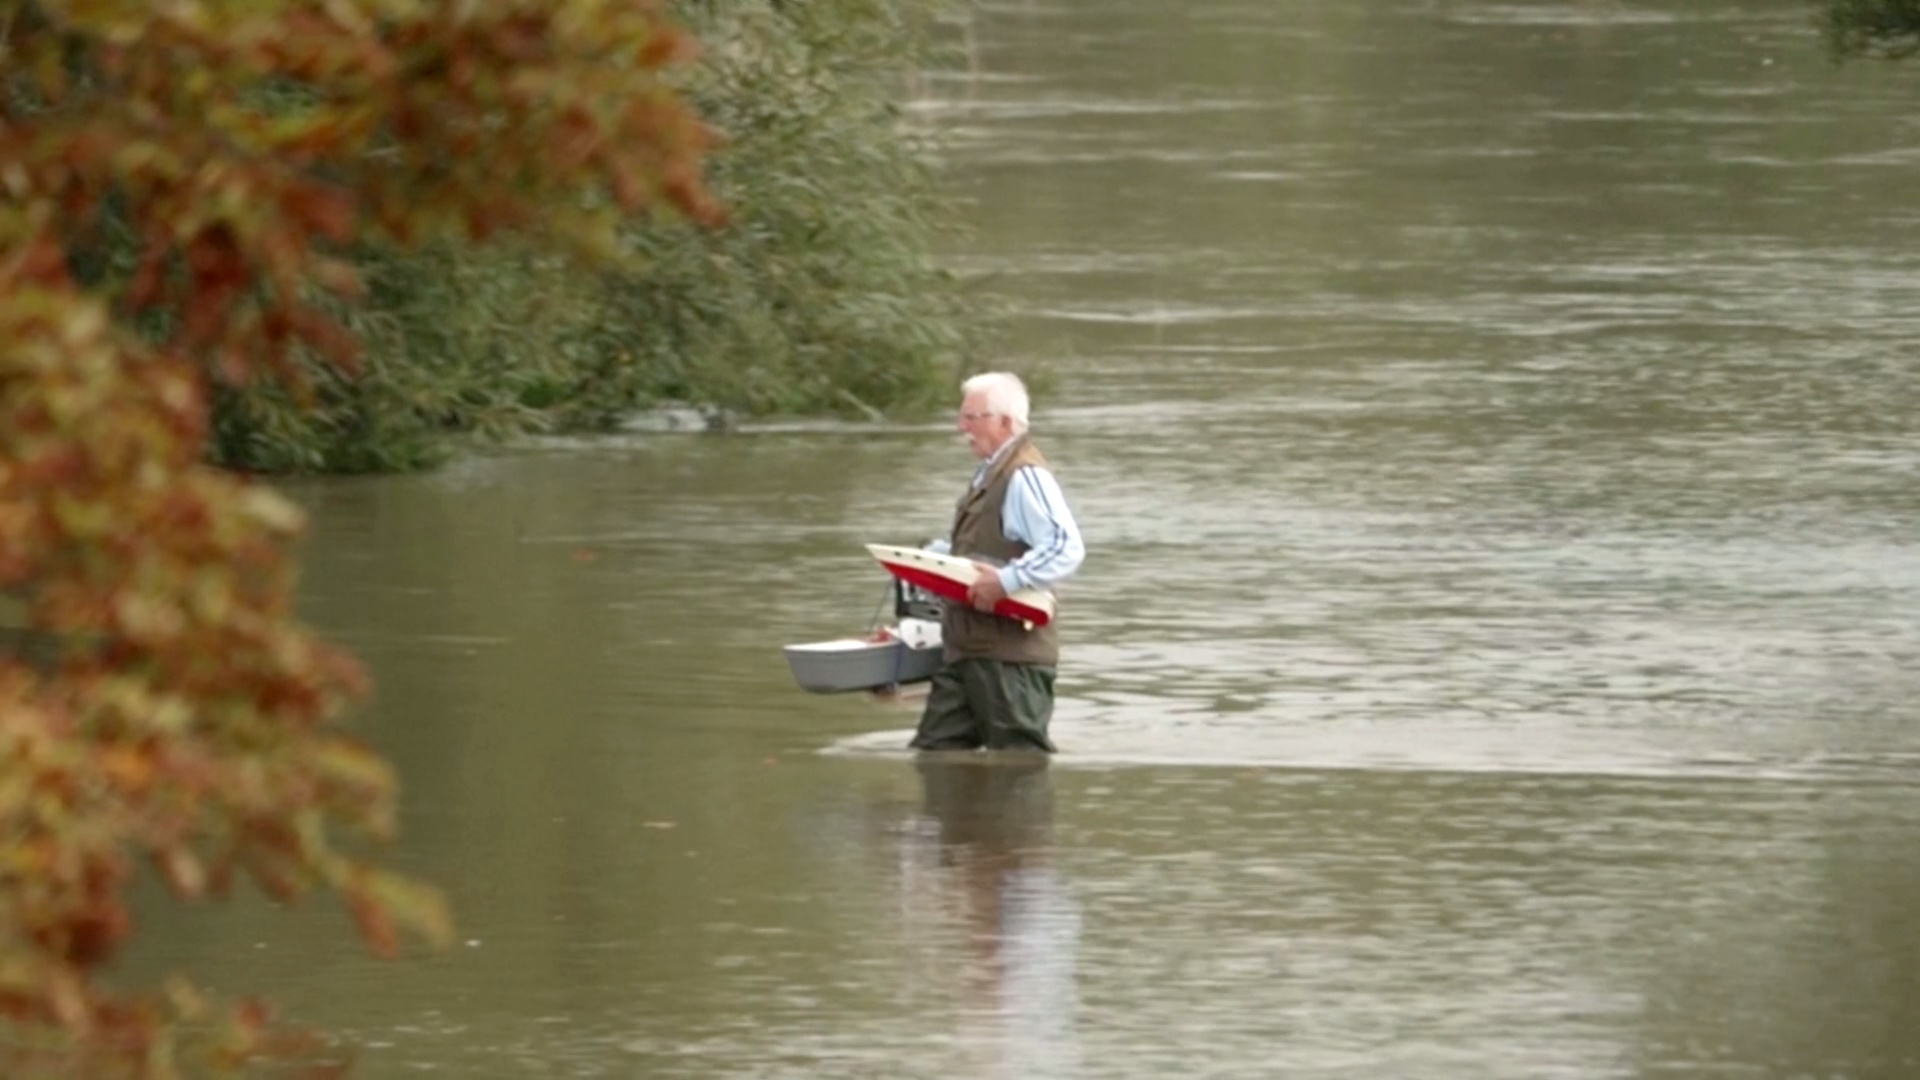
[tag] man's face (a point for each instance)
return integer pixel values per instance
(984, 431)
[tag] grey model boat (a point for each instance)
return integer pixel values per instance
(828, 667)
(906, 652)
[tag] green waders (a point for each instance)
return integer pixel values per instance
(975, 702)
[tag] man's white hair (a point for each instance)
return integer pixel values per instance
(1002, 393)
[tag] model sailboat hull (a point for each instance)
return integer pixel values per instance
(948, 576)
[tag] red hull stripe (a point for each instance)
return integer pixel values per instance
(941, 585)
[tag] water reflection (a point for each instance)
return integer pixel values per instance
(978, 881)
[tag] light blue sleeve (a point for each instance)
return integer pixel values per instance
(1036, 514)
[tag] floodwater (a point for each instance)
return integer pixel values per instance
(1494, 430)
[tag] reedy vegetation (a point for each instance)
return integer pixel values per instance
(1886, 29)
(819, 294)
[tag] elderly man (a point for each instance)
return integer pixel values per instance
(996, 688)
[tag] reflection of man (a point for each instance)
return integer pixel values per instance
(995, 827)
(998, 812)
(996, 689)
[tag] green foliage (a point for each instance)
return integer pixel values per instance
(1888, 29)
(459, 342)
(819, 294)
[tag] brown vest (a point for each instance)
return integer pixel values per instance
(979, 534)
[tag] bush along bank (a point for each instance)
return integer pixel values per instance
(821, 293)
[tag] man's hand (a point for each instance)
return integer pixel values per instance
(986, 590)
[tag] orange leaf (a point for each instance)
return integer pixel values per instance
(337, 276)
(183, 872)
(327, 211)
(334, 342)
(376, 926)
(143, 289)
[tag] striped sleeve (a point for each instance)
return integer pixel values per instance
(1036, 514)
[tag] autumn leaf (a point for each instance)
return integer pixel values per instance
(191, 182)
